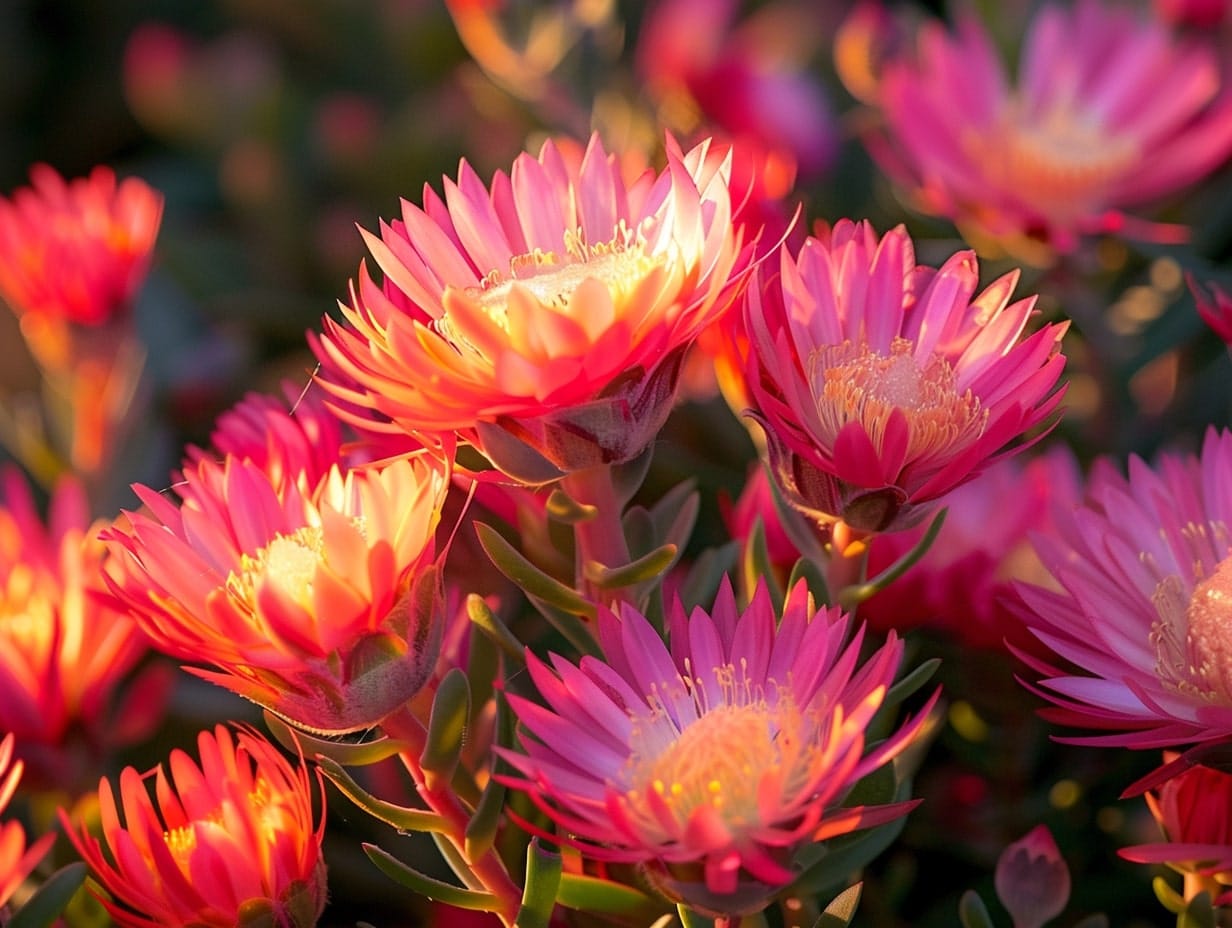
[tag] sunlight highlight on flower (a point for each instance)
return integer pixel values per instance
(16, 858)
(230, 840)
(712, 762)
(881, 384)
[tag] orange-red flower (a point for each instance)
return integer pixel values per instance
(226, 842)
(63, 649)
(78, 250)
(549, 311)
(16, 859)
(320, 604)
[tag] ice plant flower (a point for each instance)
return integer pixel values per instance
(712, 762)
(1194, 811)
(1036, 161)
(64, 651)
(1143, 616)
(881, 384)
(322, 605)
(1032, 879)
(549, 312)
(16, 859)
(226, 842)
(76, 250)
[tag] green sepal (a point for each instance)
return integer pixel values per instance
(347, 754)
(50, 899)
(755, 566)
(644, 569)
(515, 458)
(400, 817)
(427, 886)
(510, 562)
(1168, 897)
(592, 894)
(563, 508)
(1199, 913)
(451, 712)
(675, 514)
(852, 596)
(842, 908)
(972, 912)
(627, 478)
(543, 869)
(573, 629)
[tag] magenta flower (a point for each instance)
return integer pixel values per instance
(1144, 617)
(882, 384)
(1131, 114)
(710, 762)
(1215, 307)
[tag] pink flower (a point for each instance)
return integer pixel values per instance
(549, 312)
(16, 859)
(961, 585)
(881, 384)
(229, 841)
(1215, 308)
(1032, 880)
(1194, 811)
(1143, 615)
(1200, 14)
(1085, 130)
(76, 251)
(64, 651)
(320, 604)
(710, 762)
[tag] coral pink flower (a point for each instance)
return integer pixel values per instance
(1215, 308)
(1145, 610)
(63, 650)
(76, 251)
(1194, 811)
(320, 605)
(229, 841)
(961, 585)
(881, 384)
(1032, 879)
(1085, 130)
(549, 312)
(16, 859)
(712, 762)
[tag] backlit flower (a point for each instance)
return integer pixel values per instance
(881, 384)
(16, 859)
(225, 842)
(1194, 811)
(1084, 130)
(76, 250)
(1144, 614)
(320, 605)
(711, 762)
(63, 649)
(549, 312)
(1032, 879)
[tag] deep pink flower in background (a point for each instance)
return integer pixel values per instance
(17, 858)
(1032, 879)
(1199, 14)
(881, 384)
(1215, 306)
(961, 585)
(1143, 619)
(1194, 812)
(76, 251)
(65, 652)
(710, 762)
(229, 840)
(321, 605)
(1130, 115)
(551, 309)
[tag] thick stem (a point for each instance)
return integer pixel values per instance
(602, 537)
(487, 872)
(848, 564)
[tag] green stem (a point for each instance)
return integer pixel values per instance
(600, 538)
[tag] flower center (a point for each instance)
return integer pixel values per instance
(290, 561)
(858, 384)
(718, 759)
(1193, 639)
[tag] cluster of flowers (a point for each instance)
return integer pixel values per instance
(688, 740)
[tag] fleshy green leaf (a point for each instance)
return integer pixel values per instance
(591, 894)
(543, 869)
(451, 711)
(972, 912)
(675, 514)
(510, 562)
(511, 456)
(479, 613)
(427, 886)
(400, 817)
(755, 566)
(808, 571)
(1168, 897)
(345, 753)
(565, 509)
(489, 810)
(911, 683)
(852, 596)
(842, 908)
(627, 478)
(50, 900)
(644, 569)
(1199, 913)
